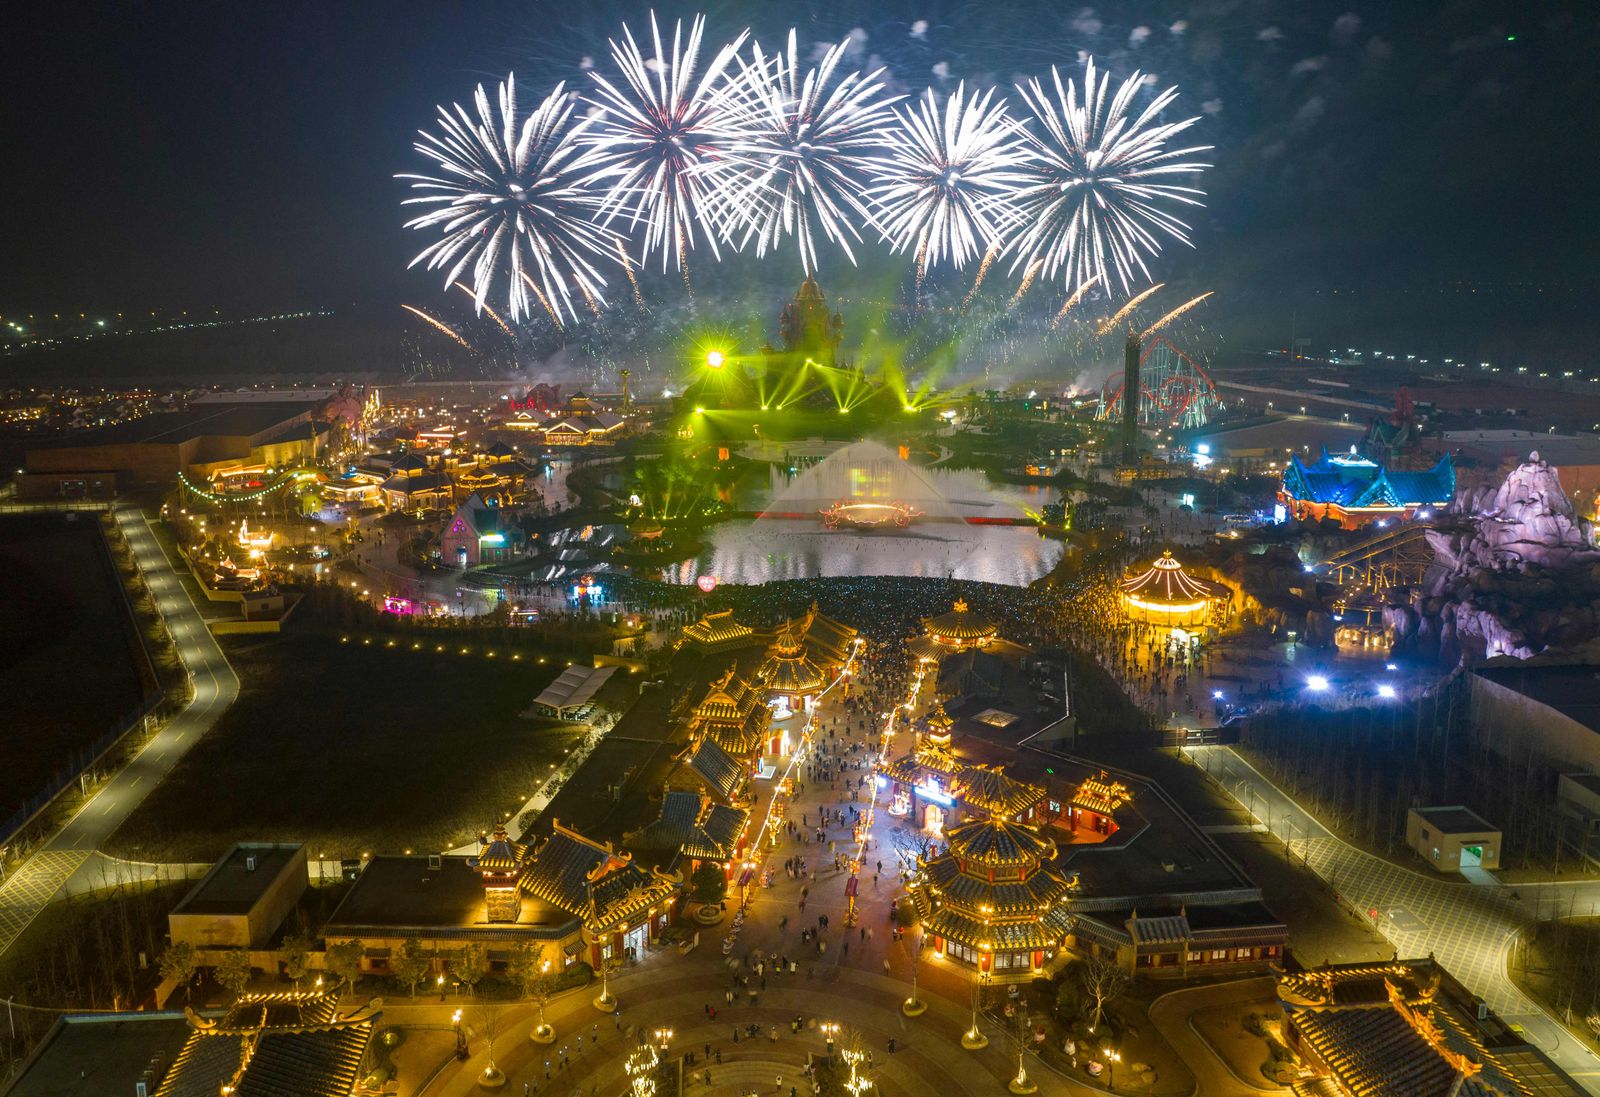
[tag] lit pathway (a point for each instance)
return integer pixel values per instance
(65, 861)
(1469, 929)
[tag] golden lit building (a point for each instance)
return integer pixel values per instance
(995, 900)
(961, 629)
(717, 632)
(788, 671)
(1166, 594)
(732, 714)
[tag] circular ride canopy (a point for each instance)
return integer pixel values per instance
(1165, 594)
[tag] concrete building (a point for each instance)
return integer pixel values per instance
(245, 897)
(1549, 710)
(1453, 838)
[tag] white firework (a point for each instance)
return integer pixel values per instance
(804, 146)
(510, 203)
(660, 139)
(1100, 180)
(945, 188)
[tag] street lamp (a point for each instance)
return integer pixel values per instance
(543, 1032)
(439, 982)
(663, 1038)
(1113, 1057)
(605, 1003)
(830, 1029)
(461, 1038)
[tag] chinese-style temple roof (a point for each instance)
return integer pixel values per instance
(1101, 793)
(274, 1045)
(729, 700)
(501, 854)
(694, 827)
(1353, 481)
(926, 649)
(997, 794)
(1042, 932)
(1165, 582)
(591, 880)
(995, 842)
(720, 772)
(961, 626)
(788, 668)
(827, 641)
(1381, 1033)
(718, 630)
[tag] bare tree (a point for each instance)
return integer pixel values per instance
(179, 964)
(1104, 980)
(489, 1023)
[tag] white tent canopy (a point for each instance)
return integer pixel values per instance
(576, 686)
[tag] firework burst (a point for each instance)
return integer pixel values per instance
(1100, 179)
(659, 139)
(943, 189)
(509, 202)
(804, 145)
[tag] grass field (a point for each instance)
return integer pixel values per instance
(350, 749)
(67, 663)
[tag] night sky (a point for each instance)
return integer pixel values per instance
(174, 155)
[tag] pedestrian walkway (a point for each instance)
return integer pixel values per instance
(64, 861)
(1468, 928)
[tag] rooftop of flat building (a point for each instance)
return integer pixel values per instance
(1570, 689)
(236, 883)
(408, 892)
(1455, 819)
(96, 1054)
(202, 420)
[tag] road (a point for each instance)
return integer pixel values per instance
(1470, 929)
(69, 859)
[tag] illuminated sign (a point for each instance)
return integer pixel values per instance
(929, 790)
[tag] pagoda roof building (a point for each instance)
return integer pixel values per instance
(603, 887)
(719, 632)
(961, 628)
(285, 1044)
(1166, 594)
(995, 898)
(1353, 489)
(694, 826)
(1384, 1030)
(788, 669)
(734, 714)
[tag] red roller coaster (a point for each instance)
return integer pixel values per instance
(1173, 390)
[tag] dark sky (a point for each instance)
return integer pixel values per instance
(185, 155)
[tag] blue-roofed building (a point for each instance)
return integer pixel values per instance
(1354, 490)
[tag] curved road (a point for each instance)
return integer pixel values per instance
(66, 860)
(1470, 928)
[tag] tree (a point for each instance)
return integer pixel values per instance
(470, 965)
(296, 951)
(489, 1024)
(179, 963)
(1104, 981)
(412, 963)
(233, 972)
(708, 883)
(344, 960)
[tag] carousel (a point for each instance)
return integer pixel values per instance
(961, 629)
(1167, 595)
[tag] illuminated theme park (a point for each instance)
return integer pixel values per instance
(845, 552)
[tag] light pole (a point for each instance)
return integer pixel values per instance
(461, 1039)
(973, 1039)
(605, 1003)
(1113, 1057)
(830, 1029)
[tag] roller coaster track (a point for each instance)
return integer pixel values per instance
(1387, 559)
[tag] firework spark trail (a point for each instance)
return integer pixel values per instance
(493, 315)
(803, 147)
(944, 187)
(1072, 299)
(1027, 282)
(1110, 323)
(622, 256)
(983, 270)
(543, 300)
(509, 199)
(439, 324)
(661, 140)
(1096, 191)
(1173, 315)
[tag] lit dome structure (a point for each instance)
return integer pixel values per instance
(1165, 594)
(961, 628)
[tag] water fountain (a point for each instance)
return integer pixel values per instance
(954, 527)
